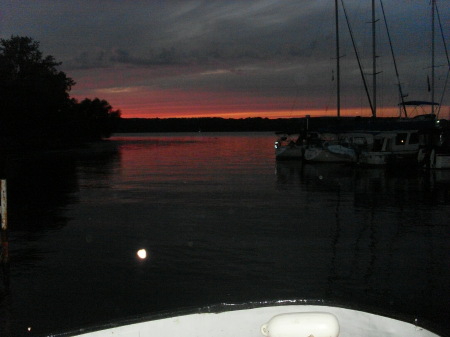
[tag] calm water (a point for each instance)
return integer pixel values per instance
(221, 221)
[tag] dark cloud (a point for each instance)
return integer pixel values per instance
(263, 47)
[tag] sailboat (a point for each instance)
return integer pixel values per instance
(330, 145)
(289, 145)
(346, 145)
(427, 142)
(437, 156)
(412, 141)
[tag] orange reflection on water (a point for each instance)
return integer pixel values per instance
(152, 158)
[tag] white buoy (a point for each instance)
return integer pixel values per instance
(317, 324)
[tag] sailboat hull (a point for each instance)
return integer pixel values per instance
(330, 154)
(288, 152)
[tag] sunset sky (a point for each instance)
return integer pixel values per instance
(232, 58)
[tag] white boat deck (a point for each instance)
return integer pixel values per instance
(248, 322)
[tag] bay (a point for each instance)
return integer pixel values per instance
(221, 221)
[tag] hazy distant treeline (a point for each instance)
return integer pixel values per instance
(207, 124)
(215, 124)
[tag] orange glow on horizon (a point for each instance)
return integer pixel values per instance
(271, 114)
(140, 102)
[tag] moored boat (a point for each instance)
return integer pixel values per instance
(289, 146)
(330, 153)
(439, 160)
(437, 154)
(389, 148)
(325, 147)
(343, 147)
(392, 148)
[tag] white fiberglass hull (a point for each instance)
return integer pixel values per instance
(382, 158)
(374, 158)
(440, 160)
(234, 320)
(287, 152)
(330, 154)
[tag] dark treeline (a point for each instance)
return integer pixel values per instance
(207, 124)
(36, 110)
(290, 125)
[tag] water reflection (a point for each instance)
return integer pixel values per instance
(218, 225)
(40, 188)
(387, 236)
(41, 185)
(372, 187)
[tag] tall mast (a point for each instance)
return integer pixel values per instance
(402, 96)
(338, 71)
(374, 63)
(432, 55)
(366, 89)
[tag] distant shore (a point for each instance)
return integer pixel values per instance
(216, 124)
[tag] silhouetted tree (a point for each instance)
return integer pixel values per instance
(95, 118)
(34, 94)
(35, 106)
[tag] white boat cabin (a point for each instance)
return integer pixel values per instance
(395, 141)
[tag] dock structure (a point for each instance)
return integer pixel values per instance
(4, 252)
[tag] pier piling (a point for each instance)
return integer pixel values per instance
(4, 253)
